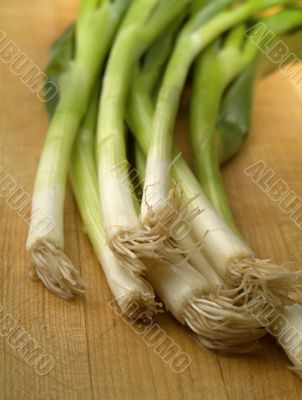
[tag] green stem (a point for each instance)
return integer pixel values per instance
(213, 73)
(145, 21)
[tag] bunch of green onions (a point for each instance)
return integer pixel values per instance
(179, 240)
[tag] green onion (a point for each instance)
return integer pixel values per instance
(131, 294)
(157, 177)
(144, 22)
(96, 19)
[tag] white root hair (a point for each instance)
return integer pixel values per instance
(222, 326)
(255, 278)
(55, 270)
(228, 320)
(156, 238)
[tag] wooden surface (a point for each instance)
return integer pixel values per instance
(97, 356)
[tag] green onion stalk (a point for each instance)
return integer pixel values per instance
(144, 22)
(94, 32)
(135, 297)
(222, 62)
(288, 318)
(232, 328)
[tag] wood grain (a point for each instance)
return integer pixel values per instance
(97, 356)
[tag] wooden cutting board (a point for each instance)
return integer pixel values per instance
(97, 355)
